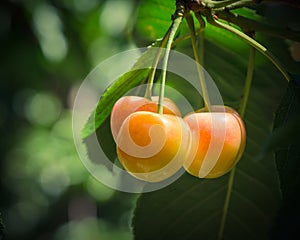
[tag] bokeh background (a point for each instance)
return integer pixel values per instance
(47, 49)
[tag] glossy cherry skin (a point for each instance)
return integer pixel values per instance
(218, 142)
(151, 146)
(129, 104)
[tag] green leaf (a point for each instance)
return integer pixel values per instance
(111, 95)
(106, 141)
(286, 125)
(154, 18)
(138, 73)
(191, 208)
(287, 154)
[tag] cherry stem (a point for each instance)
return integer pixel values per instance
(173, 29)
(226, 204)
(148, 93)
(185, 37)
(242, 110)
(191, 26)
(248, 82)
(250, 41)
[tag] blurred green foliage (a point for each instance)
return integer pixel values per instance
(48, 48)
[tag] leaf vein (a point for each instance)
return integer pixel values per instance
(199, 204)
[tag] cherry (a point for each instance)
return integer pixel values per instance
(218, 141)
(152, 146)
(129, 104)
(168, 105)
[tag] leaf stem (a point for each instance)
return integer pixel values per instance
(252, 25)
(173, 29)
(250, 41)
(191, 25)
(242, 109)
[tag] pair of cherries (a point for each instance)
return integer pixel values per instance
(152, 147)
